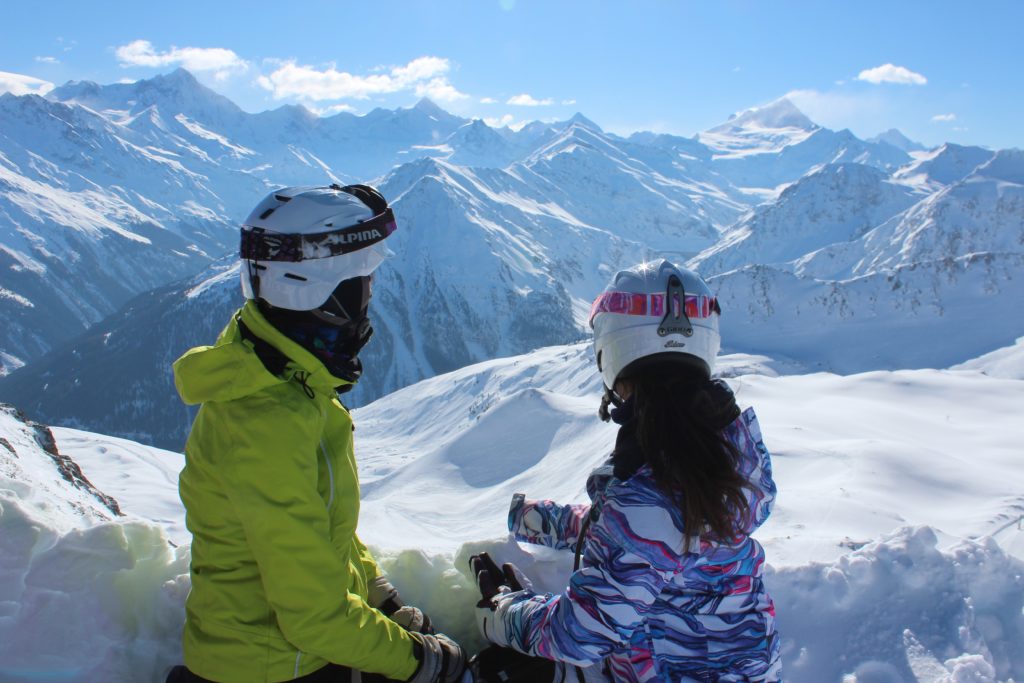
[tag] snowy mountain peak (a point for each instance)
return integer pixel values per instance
(428, 106)
(760, 130)
(581, 120)
(780, 114)
(944, 165)
(1007, 165)
(177, 92)
(898, 140)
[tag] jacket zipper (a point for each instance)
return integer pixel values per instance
(330, 472)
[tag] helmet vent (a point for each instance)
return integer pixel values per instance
(282, 198)
(293, 276)
(267, 213)
(675, 320)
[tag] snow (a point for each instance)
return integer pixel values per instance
(131, 473)
(895, 551)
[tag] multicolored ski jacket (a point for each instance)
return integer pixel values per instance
(640, 603)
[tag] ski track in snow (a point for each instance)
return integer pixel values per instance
(895, 551)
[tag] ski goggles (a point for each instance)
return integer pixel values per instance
(259, 244)
(629, 303)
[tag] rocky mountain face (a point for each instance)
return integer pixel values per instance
(35, 472)
(826, 250)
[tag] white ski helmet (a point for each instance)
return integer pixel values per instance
(299, 243)
(656, 311)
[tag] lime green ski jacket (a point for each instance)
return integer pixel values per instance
(279, 576)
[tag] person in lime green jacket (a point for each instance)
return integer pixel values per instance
(282, 587)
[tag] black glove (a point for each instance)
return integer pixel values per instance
(441, 659)
(384, 597)
(500, 590)
(490, 578)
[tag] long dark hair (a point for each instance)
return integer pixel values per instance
(680, 416)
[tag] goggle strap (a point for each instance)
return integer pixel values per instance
(261, 245)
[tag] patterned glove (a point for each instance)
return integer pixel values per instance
(384, 597)
(499, 590)
(441, 659)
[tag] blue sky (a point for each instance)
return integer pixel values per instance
(939, 71)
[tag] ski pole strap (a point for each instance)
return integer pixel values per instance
(575, 567)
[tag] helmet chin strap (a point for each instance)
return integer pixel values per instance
(610, 398)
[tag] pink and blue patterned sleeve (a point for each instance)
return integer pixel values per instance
(627, 562)
(544, 522)
(756, 467)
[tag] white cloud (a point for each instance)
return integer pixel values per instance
(439, 89)
(944, 117)
(488, 100)
(423, 75)
(505, 120)
(568, 103)
(332, 110)
(217, 59)
(48, 60)
(890, 73)
(19, 84)
(525, 100)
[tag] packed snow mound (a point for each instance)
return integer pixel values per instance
(902, 609)
(894, 550)
(98, 603)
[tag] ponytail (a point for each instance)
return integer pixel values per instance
(679, 419)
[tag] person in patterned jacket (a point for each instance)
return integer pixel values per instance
(670, 586)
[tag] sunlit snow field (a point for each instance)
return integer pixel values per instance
(895, 549)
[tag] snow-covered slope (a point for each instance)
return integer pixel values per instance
(109, 190)
(836, 203)
(894, 549)
(45, 482)
(943, 166)
(928, 315)
(91, 214)
(486, 266)
(1007, 362)
(982, 214)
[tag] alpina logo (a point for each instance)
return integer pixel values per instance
(673, 344)
(361, 236)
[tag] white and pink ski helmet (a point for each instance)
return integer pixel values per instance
(655, 312)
